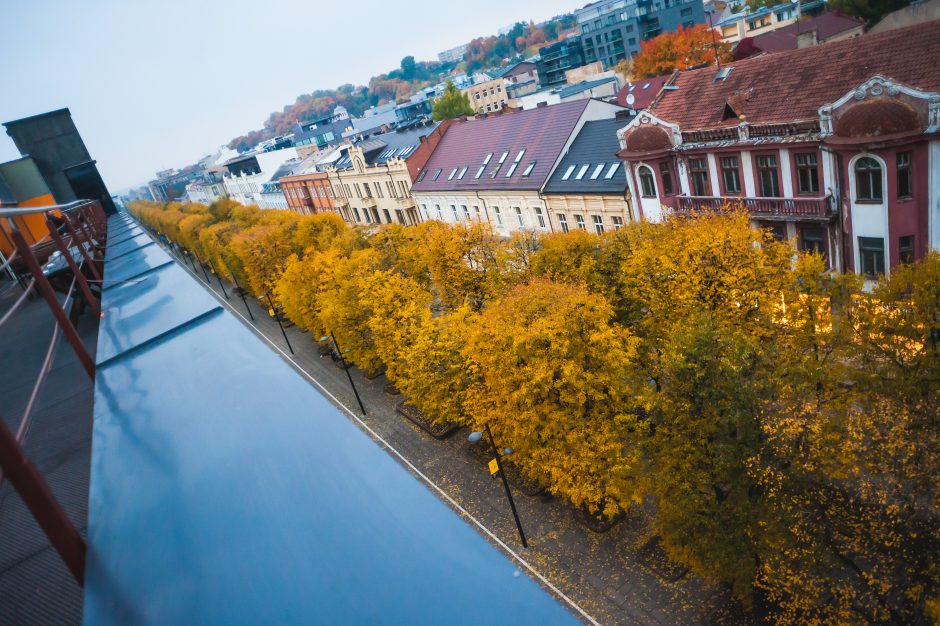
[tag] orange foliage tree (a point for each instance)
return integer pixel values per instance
(679, 50)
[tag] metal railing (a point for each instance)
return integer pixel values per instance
(78, 231)
(769, 207)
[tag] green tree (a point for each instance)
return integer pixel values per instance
(408, 67)
(453, 103)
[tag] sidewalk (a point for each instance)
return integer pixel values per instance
(602, 573)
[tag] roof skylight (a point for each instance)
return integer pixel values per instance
(437, 174)
(462, 173)
(584, 168)
(613, 170)
(597, 171)
(568, 172)
(452, 174)
(503, 158)
(528, 168)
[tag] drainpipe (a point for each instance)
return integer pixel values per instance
(486, 211)
(548, 215)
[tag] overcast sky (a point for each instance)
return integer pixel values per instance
(153, 84)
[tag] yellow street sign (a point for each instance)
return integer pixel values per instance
(494, 467)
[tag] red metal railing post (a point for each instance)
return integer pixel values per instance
(57, 311)
(82, 283)
(41, 502)
(80, 238)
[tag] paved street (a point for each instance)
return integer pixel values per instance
(602, 573)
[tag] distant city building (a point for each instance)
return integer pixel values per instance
(808, 31)
(557, 58)
(488, 96)
(452, 55)
(494, 169)
(832, 147)
(245, 175)
(612, 30)
(309, 137)
(737, 21)
(374, 119)
(171, 184)
(54, 144)
(416, 107)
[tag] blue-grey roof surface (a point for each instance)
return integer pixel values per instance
(571, 90)
(595, 146)
(400, 143)
(226, 490)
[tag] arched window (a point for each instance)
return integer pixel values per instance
(868, 180)
(647, 182)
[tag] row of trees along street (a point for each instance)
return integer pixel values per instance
(780, 423)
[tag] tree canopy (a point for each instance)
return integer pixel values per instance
(452, 103)
(779, 423)
(679, 50)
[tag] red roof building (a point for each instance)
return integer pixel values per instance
(643, 90)
(834, 146)
(495, 168)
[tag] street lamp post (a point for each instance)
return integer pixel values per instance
(278, 318)
(475, 437)
(241, 292)
(345, 368)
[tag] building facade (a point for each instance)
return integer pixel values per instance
(588, 189)
(845, 161)
(557, 58)
(372, 181)
(735, 26)
(489, 96)
(494, 169)
(611, 30)
(245, 175)
(452, 55)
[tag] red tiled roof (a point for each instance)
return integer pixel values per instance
(644, 91)
(826, 25)
(791, 86)
(541, 132)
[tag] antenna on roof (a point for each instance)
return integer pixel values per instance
(714, 43)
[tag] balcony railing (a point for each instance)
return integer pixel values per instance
(406, 203)
(762, 207)
(368, 202)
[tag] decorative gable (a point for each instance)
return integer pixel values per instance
(880, 107)
(647, 133)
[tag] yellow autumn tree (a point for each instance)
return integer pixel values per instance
(553, 381)
(703, 295)
(343, 308)
(262, 251)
